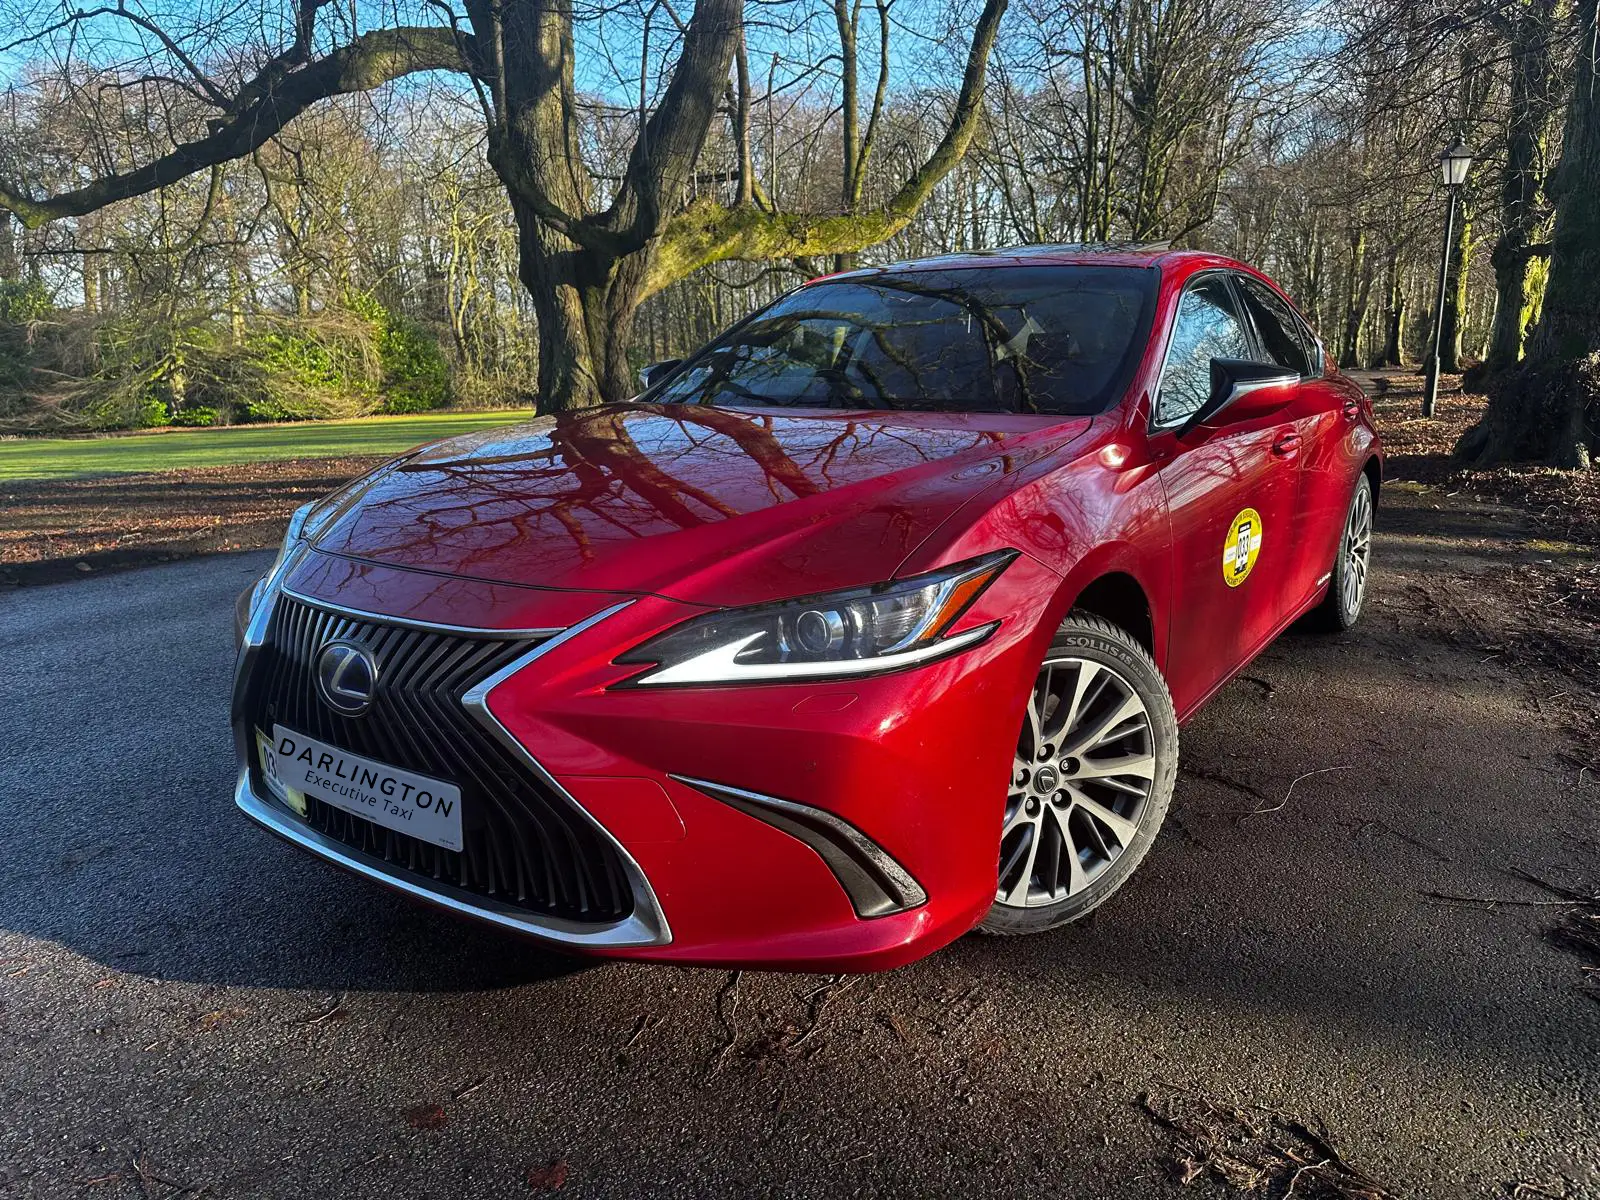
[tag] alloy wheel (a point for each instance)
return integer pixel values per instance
(1080, 784)
(1357, 551)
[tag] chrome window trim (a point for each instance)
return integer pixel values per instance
(1235, 278)
(1244, 282)
(645, 926)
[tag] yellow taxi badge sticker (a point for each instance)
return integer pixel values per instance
(1242, 547)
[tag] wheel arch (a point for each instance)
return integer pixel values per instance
(1110, 583)
(1373, 470)
(1119, 598)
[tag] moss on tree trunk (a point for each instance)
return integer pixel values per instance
(1452, 319)
(1549, 407)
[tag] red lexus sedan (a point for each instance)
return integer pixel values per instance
(871, 623)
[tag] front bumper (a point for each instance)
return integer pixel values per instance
(850, 824)
(643, 927)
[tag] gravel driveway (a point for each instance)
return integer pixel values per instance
(187, 1004)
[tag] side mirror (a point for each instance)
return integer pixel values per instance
(1244, 388)
(656, 372)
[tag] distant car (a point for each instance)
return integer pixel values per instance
(871, 622)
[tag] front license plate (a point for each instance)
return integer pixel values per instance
(426, 809)
(269, 771)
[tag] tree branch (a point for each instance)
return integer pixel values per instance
(878, 98)
(707, 232)
(963, 121)
(664, 156)
(741, 120)
(369, 61)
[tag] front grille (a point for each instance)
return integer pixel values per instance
(523, 843)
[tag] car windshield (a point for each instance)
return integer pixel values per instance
(1046, 339)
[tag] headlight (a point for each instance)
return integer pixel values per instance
(858, 632)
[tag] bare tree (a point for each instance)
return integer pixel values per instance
(589, 255)
(1531, 30)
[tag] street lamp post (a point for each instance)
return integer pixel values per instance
(1453, 165)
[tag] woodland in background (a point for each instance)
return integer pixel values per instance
(368, 256)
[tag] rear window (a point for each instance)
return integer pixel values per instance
(1044, 339)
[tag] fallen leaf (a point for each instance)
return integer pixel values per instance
(221, 1016)
(549, 1178)
(426, 1116)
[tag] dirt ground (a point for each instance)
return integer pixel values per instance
(1538, 609)
(52, 530)
(1357, 964)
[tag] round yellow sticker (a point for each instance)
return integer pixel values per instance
(1241, 548)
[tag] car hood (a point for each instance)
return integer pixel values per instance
(712, 506)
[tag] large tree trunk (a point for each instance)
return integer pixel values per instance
(1531, 111)
(1452, 320)
(1358, 294)
(1394, 316)
(1549, 408)
(586, 303)
(8, 247)
(587, 275)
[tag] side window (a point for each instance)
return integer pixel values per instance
(1313, 347)
(1207, 326)
(1276, 323)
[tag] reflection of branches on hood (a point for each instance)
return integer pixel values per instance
(829, 452)
(612, 468)
(614, 450)
(487, 501)
(471, 462)
(758, 443)
(594, 450)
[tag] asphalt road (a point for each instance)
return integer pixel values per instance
(186, 1003)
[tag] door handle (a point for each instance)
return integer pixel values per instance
(1287, 443)
(1352, 409)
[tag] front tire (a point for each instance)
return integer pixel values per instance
(1091, 780)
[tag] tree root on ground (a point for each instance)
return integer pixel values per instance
(1538, 413)
(1255, 1150)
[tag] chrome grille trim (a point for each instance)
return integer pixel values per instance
(472, 631)
(644, 925)
(638, 929)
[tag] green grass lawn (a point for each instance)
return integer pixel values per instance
(71, 458)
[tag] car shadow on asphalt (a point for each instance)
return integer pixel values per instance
(280, 922)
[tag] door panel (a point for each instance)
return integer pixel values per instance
(1232, 492)
(1334, 457)
(1225, 604)
(1320, 415)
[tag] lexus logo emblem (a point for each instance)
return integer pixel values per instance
(347, 677)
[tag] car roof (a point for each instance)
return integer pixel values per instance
(1113, 254)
